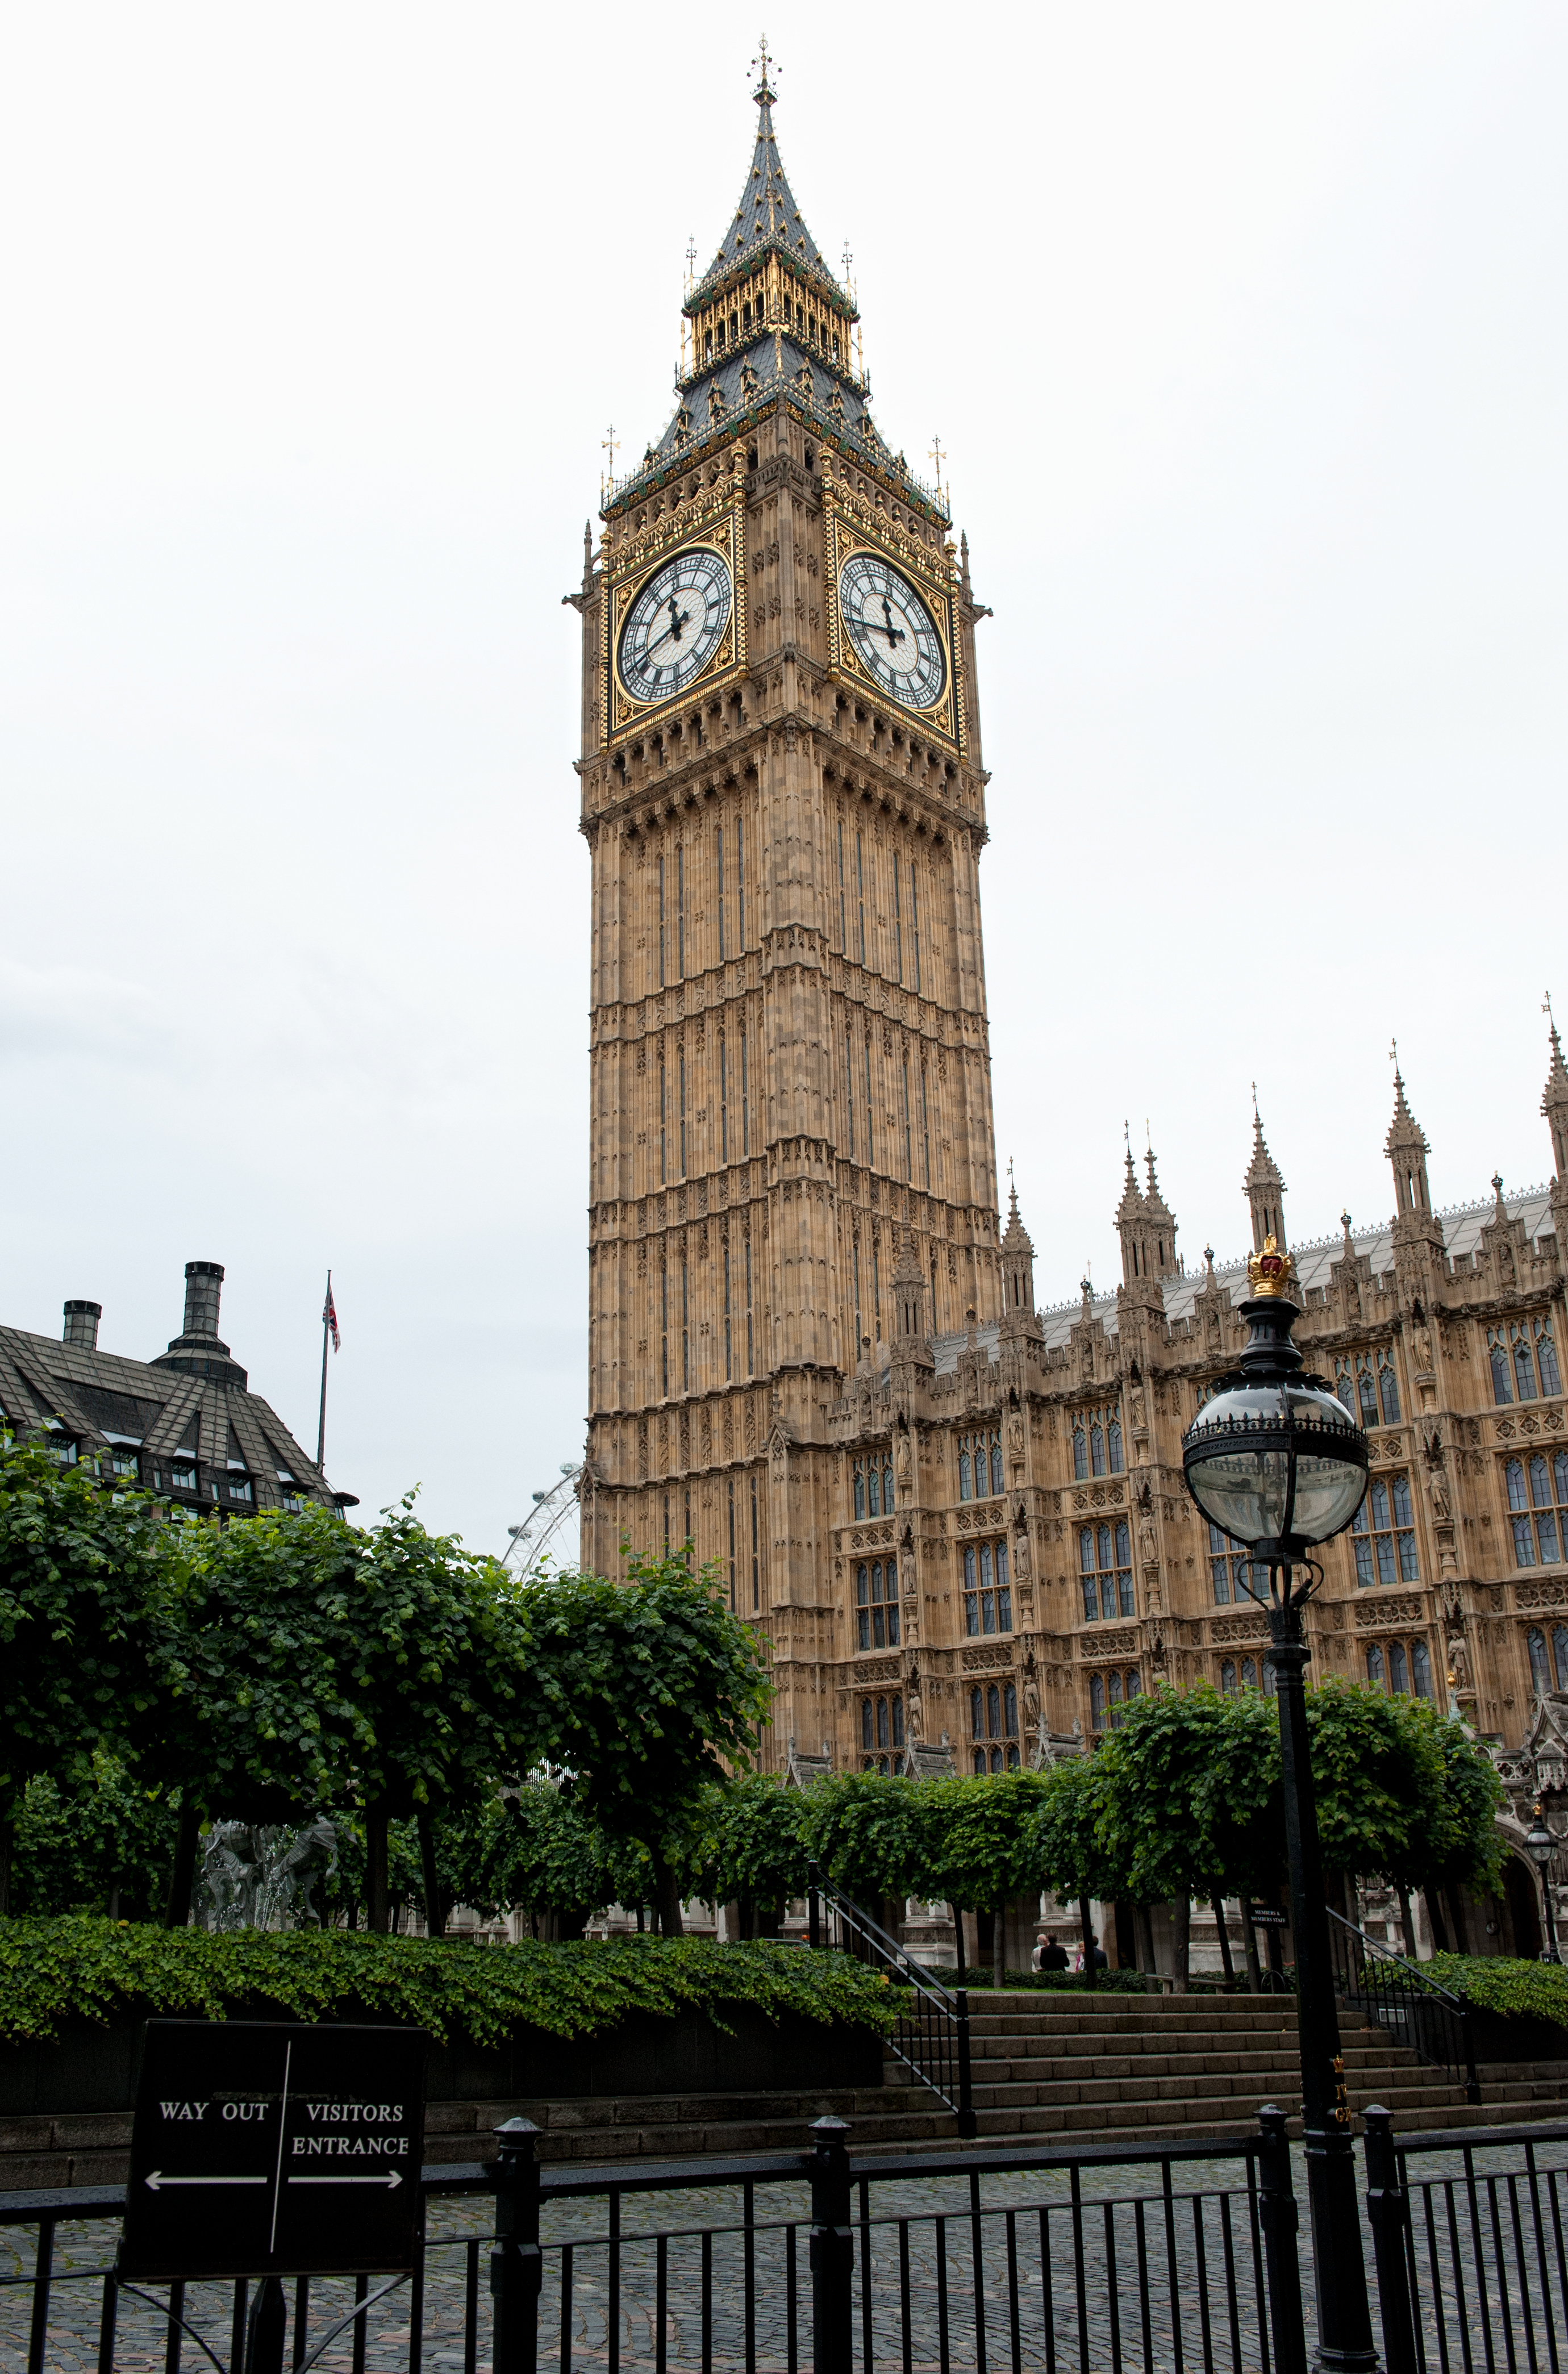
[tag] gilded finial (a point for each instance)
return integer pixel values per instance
(935, 452)
(760, 63)
(1270, 1271)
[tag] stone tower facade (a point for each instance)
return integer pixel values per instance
(959, 1518)
(793, 1158)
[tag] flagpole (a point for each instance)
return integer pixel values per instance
(321, 1429)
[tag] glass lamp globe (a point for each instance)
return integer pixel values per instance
(1539, 1844)
(1273, 1458)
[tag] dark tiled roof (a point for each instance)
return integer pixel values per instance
(767, 217)
(165, 1411)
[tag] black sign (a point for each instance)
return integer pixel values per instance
(1268, 1916)
(263, 2149)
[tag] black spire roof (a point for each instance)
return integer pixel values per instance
(767, 217)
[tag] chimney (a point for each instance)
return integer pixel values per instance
(81, 1325)
(204, 1284)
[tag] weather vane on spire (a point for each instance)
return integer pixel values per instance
(1546, 1010)
(1393, 1055)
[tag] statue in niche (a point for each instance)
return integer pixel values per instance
(914, 1709)
(903, 1457)
(1015, 1434)
(1437, 1493)
(1459, 1663)
(1424, 1359)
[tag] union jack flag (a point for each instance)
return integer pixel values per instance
(329, 1316)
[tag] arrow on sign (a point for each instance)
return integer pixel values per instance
(390, 2180)
(157, 2180)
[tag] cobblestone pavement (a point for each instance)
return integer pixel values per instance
(1113, 2279)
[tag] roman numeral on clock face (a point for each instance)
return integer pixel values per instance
(892, 631)
(674, 625)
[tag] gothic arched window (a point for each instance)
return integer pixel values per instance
(1535, 1640)
(978, 1761)
(1421, 1669)
(1114, 1445)
(1096, 1702)
(1523, 1364)
(1343, 1387)
(1560, 1654)
(1496, 1352)
(1135, 1686)
(888, 1490)
(1249, 1673)
(874, 1491)
(977, 1714)
(1366, 1390)
(1113, 1699)
(1396, 1676)
(1097, 1448)
(859, 1489)
(1227, 1678)
(1545, 1354)
(994, 1711)
(1081, 1454)
(1516, 1475)
(1374, 1665)
(1547, 1541)
(1009, 1710)
(1388, 1385)
(995, 1465)
(966, 1490)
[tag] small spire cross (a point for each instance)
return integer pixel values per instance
(609, 444)
(762, 63)
(1546, 1010)
(846, 259)
(1393, 1055)
(935, 452)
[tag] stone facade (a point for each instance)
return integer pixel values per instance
(815, 1350)
(184, 1424)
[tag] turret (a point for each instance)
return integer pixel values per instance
(1132, 1226)
(1407, 1150)
(1554, 1106)
(1162, 1222)
(1018, 1265)
(909, 1296)
(1265, 1189)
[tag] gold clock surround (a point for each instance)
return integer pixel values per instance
(724, 535)
(846, 538)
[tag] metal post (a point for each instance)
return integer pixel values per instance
(1278, 2217)
(813, 1916)
(1344, 2315)
(1388, 2207)
(833, 2251)
(965, 2099)
(264, 2328)
(516, 2266)
(1551, 1953)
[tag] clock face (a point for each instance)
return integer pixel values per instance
(892, 631)
(673, 628)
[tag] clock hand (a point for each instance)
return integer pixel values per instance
(648, 649)
(894, 634)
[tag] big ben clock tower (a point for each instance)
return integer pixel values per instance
(793, 1170)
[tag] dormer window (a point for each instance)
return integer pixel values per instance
(61, 1447)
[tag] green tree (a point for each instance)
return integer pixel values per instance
(534, 1850)
(981, 1847)
(82, 1571)
(641, 1688)
(307, 1666)
(872, 1834)
(1463, 1849)
(750, 1845)
(96, 1840)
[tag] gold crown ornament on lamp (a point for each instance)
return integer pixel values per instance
(1270, 1271)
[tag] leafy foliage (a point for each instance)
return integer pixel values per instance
(749, 1841)
(80, 1568)
(535, 1851)
(981, 1839)
(1519, 1989)
(83, 1836)
(90, 1966)
(872, 1834)
(1066, 1853)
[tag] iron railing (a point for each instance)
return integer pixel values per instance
(932, 2035)
(1396, 1996)
(1469, 2233)
(1072, 2258)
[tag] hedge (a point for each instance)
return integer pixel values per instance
(1497, 1983)
(85, 1964)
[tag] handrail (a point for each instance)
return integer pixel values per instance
(1436, 2023)
(932, 2041)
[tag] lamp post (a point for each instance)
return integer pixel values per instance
(1540, 1846)
(1278, 1463)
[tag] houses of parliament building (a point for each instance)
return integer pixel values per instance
(815, 1349)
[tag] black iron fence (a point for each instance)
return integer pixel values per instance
(1088, 2259)
(932, 2035)
(1411, 2008)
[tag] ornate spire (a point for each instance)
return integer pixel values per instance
(1264, 1187)
(1018, 1263)
(767, 219)
(1554, 1101)
(1407, 1150)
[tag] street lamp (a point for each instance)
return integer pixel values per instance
(1278, 1463)
(1540, 1846)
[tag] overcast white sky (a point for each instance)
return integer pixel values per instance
(1244, 329)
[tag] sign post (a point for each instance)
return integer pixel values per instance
(261, 2149)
